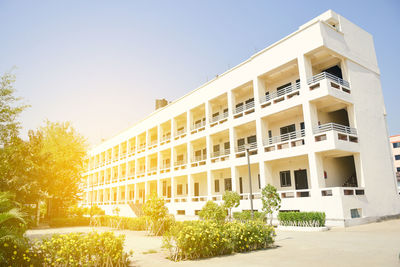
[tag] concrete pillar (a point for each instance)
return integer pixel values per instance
(233, 178)
(316, 170)
(231, 104)
(232, 141)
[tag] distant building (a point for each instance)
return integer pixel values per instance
(309, 109)
(395, 144)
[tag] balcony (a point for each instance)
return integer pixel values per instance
(295, 193)
(152, 170)
(166, 167)
(219, 118)
(333, 82)
(141, 172)
(153, 143)
(141, 148)
(220, 155)
(241, 150)
(344, 133)
(283, 141)
(342, 191)
(165, 139)
(280, 95)
(180, 133)
(244, 108)
(198, 160)
(198, 126)
(180, 164)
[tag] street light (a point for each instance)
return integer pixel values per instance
(247, 147)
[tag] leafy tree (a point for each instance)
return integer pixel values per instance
(212, 211)
(12, 222)
(58, 164)
(231, 200)
(270, 200)
(157, 212)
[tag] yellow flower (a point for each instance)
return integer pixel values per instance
(15, 252)
(5, 244)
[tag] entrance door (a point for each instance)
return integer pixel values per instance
(300, 178)
(196, 189)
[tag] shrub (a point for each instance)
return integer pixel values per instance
(77, 249)
(251, 235)
(212, 211)
(270, 200)
(122, 223)
(200, 239)
(231, 200)
(69, 222)
(17, 253)
(245, 216)
(157, 212)
(305, 219)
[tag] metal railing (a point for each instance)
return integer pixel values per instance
(284, 137)
(334, 127)
(180, 132)
(198, 125)
(199, 158)
(180, 162)
(219, 117)
(220, 153)
(284, 91)
(242, 148)
(325, 75)
(244, 107)
(244, 196)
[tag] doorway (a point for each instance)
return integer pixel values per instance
(300, 178)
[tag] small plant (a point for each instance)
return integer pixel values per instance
(270, 201)
(157, 213)
(245, 216)
(302, 219)
(231, 200)
(212, 211)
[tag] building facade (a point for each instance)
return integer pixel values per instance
(395, 144)
(309, 107)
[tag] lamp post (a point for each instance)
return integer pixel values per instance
(247, 147)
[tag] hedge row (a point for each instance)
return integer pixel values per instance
(245, 216)
(201, 239)
(304, 219)
(123, 223)
(69, 222)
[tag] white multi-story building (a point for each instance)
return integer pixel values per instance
(309, 107)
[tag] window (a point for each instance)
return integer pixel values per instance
(396, 145)
(398, 169)
(285, 179)
(228, 184)
(179, 189)
(397, 157)
(240, 142)
(180, 212)
(216, 114)
(259, 182)
(216, 186)
(251, 139)
(355, 213)
(280, 90)
(226, 145)
(240, 185)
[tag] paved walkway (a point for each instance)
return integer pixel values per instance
(376, 244)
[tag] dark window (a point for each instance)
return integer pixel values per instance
(259, 182)
(216, 186)
(227, 145)
(335, 70)
(249, 100)
(240, 142)
(397, 157)
(179, 158)
(215, 114)
(396, 145)
(285, 179)
(225, 110)
(187, 190)
(239, 105)
(288, 129)
(251, 139)
(180, 212)
(228, 184)
(179, 189)
(197, 153)
(398, 169)
(164, 185)
(240, 185)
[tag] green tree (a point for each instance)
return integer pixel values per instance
(212, 211)
(270, 200)
(12, 222)
(231, 200)
(157, 212)
(59, 151)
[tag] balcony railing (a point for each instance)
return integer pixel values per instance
(334, 127)
(153, 143)
(282, 92)
(198, 158)
(295, 193)
(220, 153)
(180, 163)
(165, 138)
(198, 125)
(245, 196)
(180, 132)
(325, 75)
(219, 117)
(242, 148)
(284, 137)
(244, 107)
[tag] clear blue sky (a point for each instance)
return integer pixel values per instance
(101, 64)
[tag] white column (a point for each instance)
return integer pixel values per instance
(231, 104)
(232, 141)
(233, 178)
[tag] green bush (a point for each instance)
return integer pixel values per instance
(17, 253)
(200, 239)
(157, 213)
(249, 236)
(122, 223)
(245, 216)
(305, 219)
(77, 249)
(69, 222)
(212, 211)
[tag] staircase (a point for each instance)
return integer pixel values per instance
(136, 208)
